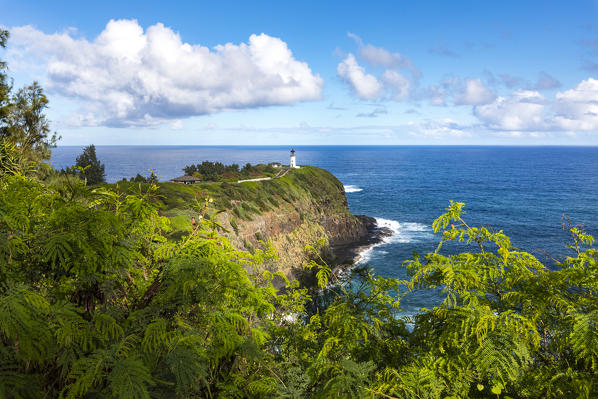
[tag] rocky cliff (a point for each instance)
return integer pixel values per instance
(304, 206)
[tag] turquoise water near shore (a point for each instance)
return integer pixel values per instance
(524, 191)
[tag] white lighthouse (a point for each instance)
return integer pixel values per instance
(293, 163)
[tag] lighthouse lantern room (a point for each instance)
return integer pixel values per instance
(293, 163)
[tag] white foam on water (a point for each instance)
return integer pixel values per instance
(402, 232)
(352, 189)
(365, 255)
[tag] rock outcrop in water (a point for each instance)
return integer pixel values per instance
(302, 207)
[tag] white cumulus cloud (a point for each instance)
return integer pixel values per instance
(522, 110)
(572, 110)
(443, 128)
(365, 85)
(474, 92)
(397, 83)
(127, 76)
(177, 125)
(577, 108)
(390, 84)
(379, 56)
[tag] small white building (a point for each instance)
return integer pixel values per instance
(293, 163)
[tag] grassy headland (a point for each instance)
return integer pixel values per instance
(300, 208)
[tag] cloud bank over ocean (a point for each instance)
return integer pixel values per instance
(130, 77)
(263, 75)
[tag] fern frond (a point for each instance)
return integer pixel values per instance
(107, 327)
(154, 336)
(584, 339)
(22, 313)
(187, 360)
(87, 373)
(130, 379)
(57, 249)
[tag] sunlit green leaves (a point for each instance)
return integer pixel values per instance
(96, 300)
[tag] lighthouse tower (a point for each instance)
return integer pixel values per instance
(293, 163)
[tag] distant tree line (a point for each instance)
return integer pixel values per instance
(152, 178)
(210, 170)
(215, 171)
(88, 166)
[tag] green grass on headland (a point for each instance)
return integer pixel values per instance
(245, 200)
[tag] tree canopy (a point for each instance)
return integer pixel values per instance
(90, 166)
(215, 171)
(5, 88)
(23, 125)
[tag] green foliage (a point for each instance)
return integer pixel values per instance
(90, 167)
(507, 322)
(9, 161)
(5, 89)
(139, 179)
(297, 191)
(217, 171)
(97, 299)
(211, 170)
(25, 136)
(151, 179)
(95, 302)
(27, 128)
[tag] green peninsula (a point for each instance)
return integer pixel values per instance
(302, 207)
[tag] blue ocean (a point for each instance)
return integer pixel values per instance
(524, 191)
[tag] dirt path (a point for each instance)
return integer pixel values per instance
(278, 176)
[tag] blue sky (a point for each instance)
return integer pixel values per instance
(511, 72)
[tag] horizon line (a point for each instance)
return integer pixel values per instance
(330, 145)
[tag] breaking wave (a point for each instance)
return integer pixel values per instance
(352, 189)
(402, 232)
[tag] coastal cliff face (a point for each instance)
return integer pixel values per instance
(304, 206)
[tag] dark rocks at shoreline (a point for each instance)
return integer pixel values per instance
(347, 253)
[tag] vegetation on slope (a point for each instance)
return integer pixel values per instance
(246, 200)
(97, 300)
